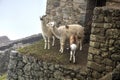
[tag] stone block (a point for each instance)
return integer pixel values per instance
(115, 57)
(98, 59)
(107, 77)
(97, 11)
(57, 74)
(112, 33)
(116, 13)
(62, 3)
(79, 1)
(98, 25)
(98, 18)
(96, 74)
(90, 57)
(104, 54)
(107, 62)
(97, 38)
(109, 68)
(107, 25)
(95, 66)
(63, 0)
(108, 19)
(94, 51)
(94, 44)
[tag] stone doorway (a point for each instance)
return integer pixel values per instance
(100, 3)
(91, 4)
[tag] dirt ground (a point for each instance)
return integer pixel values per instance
(81, 57)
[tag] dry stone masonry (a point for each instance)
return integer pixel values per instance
(66, 11)
(104, 50)
(24, 67)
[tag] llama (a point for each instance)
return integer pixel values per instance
(65, 31)
(73, 47)
(46, 33)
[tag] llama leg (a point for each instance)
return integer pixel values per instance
(71, 56)
(48, 43)
(45, 41)
(61, 47)
(53, 43)
(80, 44)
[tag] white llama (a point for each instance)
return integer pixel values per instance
(46, 33)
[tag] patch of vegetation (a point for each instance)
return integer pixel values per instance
(3, 77)
(52, 55)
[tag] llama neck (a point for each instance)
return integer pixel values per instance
(44, 28)
(56, 32)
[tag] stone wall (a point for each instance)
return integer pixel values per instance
(4, 60)
(66, 11)
(104, 50)
(24, 67)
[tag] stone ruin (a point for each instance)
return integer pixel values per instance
(101, 19)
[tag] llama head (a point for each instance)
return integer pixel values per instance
(50, 24)
(41, 18)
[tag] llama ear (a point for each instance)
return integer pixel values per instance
(41, 18)
(67, 27)
(44, 15)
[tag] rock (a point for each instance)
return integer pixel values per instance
(115, 57)
(95, 66)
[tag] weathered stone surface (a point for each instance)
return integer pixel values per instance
(109, 68)
(97, 38)
(98, 19)
(112, 33)
(98, 59)
(94, 51)
(115, 57)
(96, 75)
(90, 57)
(95, 44)
(104, 54)
(107, 62)
(107, 77)
(95, 66)
(97, 25)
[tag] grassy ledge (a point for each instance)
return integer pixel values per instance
(51, 55)
(54, 56)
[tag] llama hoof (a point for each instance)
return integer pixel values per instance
(60, 51)
(70, 61)
(53, 45)
(74, 62)
(80, 49)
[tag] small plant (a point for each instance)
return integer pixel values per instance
(3, 77)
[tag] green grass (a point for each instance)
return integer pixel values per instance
(52, 55)
(3, 77)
